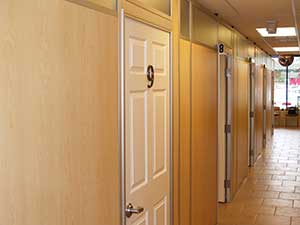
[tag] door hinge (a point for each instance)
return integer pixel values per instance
(227, 183)
(227, 128)
(251, 114)
(252, 152)
(228, 72)
(265, 136)
(265, 107)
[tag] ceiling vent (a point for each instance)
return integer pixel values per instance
(272, 26)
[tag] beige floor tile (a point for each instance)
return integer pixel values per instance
(265, 194)
(260, 187)
(284, 177)
(278, 202)
(287, 212)
(273, 172)
(296, 204)
(291, 196)
(239, 220)
(255, 210)
(296, 221)
(270, 182)
(272, 220)
(281, 189)
(271, 194)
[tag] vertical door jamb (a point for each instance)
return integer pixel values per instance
(228, 131)
(227, 127)
(122, 115)
(264, 106)
(252, 112)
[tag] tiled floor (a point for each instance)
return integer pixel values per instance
(271, 194)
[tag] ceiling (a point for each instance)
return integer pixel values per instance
(247, 15)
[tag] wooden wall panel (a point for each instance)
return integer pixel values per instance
(234, 154)
(59, 113)
(258, 110)
(185, 134)
(242, 120)
(204, 135)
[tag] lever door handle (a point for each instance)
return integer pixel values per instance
(131, 210)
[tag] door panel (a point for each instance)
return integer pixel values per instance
(147, 129)
(242, 121)
(185, 131)
(204, 135)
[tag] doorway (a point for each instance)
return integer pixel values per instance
(146, 161)
(224, 122)
(252, 113)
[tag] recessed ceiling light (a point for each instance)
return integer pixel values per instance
(287, 49)
(281, 32)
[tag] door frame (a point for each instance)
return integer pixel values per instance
(121, 112)
(265, 83)
(252, 113)
(227, 127)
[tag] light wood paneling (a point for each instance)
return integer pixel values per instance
(59, 131)
(242, 122)
(234, 181)
(258, 111)
(185, 134)
(204, 135)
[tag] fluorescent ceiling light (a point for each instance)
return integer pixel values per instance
(287, 49)
(281, 32)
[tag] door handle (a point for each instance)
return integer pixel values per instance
(131, 210)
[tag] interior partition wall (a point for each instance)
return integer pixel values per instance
(204, 135)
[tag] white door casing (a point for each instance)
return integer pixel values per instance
(147, 124)
(224, 123)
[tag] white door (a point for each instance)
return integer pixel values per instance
(147, 125)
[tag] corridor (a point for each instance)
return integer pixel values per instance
(271, 194)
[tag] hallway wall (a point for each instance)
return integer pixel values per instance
(59, 77)
(185, 130)
(198, 154)
(204, 125)
(241, 118)
(59, 121)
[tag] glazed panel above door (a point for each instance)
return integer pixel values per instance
(185, 18)
(162, 5)
(96, 4)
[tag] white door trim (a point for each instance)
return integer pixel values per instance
(224, 158)
(121, 116)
